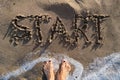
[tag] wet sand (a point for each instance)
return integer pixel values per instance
(11, 57)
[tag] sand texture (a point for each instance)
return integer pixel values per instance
(11, 57)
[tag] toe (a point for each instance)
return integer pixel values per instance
(63, 63)
(67, 65)
(50, 63)
(45, 65)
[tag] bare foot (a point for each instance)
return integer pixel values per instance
(63, 70)
(49, 70)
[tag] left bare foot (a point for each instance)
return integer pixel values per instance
(49, 70)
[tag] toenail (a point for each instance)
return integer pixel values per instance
(49, 60)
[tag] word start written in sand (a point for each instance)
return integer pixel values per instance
(81, 24)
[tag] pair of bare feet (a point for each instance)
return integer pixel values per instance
(62, 73)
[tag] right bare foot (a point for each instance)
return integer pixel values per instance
(63, 70)
(49, 70)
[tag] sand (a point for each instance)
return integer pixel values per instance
(11, 57)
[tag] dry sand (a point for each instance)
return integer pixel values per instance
(11, 57)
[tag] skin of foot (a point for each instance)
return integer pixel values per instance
(49, 70)
(63, 71)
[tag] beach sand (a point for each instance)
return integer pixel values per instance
(11, 57)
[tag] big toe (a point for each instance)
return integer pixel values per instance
(48, 65)
(66, 65)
